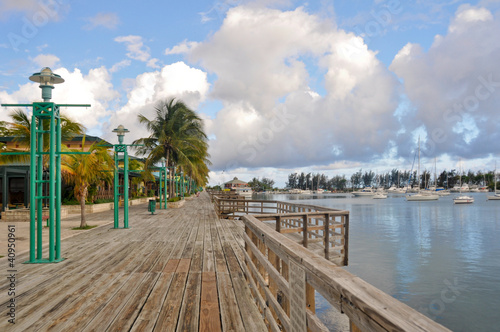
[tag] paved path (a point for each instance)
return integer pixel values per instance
(177, 270)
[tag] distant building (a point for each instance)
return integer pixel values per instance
(241, 187)
(235, 183)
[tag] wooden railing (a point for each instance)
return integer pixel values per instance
(284, 277)
(322, 230)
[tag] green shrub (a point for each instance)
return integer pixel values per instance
(174, 199)
(187, 194)
(103, 200)
(151, 193)
(70, 202)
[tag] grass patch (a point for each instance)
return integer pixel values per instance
(84, 228)
(1, 256)
(174, 199)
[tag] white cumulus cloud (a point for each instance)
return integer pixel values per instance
(135, 47)
(264, 60)
(454, 87)
(106, 20)
(46, 60)
(176, 80)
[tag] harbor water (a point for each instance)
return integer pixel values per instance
(439, 258)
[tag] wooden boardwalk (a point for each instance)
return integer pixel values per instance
(177, 270)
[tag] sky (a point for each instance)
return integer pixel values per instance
(283, 86)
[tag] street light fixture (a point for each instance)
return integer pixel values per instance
(47, 79)
(120, 131)
(163, 184)
(121, 148)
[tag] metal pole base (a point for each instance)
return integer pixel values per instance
(44, 261)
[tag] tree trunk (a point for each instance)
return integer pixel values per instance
(83, 196)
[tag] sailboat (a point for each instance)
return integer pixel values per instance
(496, 196)
(421, 195)
(463, 199)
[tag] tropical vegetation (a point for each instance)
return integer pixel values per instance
(176, 136)
(83, 170)
(20, 130)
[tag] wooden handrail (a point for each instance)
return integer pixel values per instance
(284, 275)
(325, 230)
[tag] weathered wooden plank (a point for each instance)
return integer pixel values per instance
(151, 309)
(209, 307)
(249, 312)
(168, 317)
(128, 313)
(71, 303)
(46, 303)
(85, 309)
(208, 254)
(105, 316)
(190, 309)
(230, 313)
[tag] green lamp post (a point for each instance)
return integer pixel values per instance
(121, 148)
(45, 120)
(163, 184)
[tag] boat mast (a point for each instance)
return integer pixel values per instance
(495, 178)
(418, 167)
(435, 174)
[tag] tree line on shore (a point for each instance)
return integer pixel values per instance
(398, 178)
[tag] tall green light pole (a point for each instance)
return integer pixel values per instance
(121, 148)
(45, 120)
(163, 184)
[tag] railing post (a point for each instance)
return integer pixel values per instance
(310, 300)
(305, 232)
(278, 224)
(326, 236)
(346, 239)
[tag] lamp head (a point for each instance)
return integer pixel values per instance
(120, 131)
(47, 79)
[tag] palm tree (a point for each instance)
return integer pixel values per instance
(20, 129)
(83, 170)
(176, 133)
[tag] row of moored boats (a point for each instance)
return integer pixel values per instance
(431, 194)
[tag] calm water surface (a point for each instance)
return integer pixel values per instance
(439, 258)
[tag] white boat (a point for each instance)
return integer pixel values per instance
(461, 188)
(379, 196)
(367, 191)
(422, 195)
(483, 189)
(496, 196)
(392, 189)
(463, 199)
(295, 191)
(319, 191)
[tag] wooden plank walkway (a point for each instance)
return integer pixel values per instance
(177, 270)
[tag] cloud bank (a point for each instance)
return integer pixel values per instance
(454, 87)
(263, 60)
